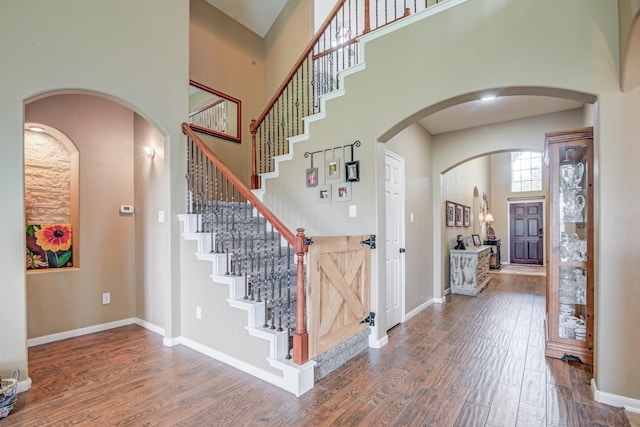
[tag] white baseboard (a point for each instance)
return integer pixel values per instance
(631, 405)
(79, 332)
(232, 361)
(171, 342)
(150, 326)
(23, 385)
(418, 309)
(374, 343)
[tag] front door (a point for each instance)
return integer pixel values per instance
(394, 211)
(526, 239)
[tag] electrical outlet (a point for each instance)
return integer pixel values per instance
(198, 312)
(106, 298)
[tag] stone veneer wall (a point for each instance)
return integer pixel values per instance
(47, 174)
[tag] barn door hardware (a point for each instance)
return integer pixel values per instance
(371, 241)
(370, 319)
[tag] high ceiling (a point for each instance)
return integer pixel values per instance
(256, 15)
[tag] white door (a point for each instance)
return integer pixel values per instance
(394, 206)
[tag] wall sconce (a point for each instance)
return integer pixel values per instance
(488, 220)
(150, 152)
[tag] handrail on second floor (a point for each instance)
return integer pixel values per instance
(315, 73)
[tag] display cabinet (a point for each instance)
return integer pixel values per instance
(569, 323)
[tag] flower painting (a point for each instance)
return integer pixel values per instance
(48, 246)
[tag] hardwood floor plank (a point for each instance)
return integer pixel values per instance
(504, 407)
(472, 415)
(534, 389)
(423, 401)
(561, 410)
(530, 416)
(448, 407)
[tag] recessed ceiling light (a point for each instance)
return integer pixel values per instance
(36, 129)
(488, 98)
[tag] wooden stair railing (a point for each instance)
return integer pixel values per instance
(230, 211)
(332, 49)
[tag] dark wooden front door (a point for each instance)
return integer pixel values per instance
(526, 238)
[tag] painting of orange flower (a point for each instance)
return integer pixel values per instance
(54, 237)
(48, 246)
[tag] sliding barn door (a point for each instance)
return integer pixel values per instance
(337, 290)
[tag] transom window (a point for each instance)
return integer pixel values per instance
(526, 171)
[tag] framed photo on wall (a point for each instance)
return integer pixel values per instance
(324, 193)
(353, 171)
(450, 213)
(312, 177)
(467, 216)
(459, 215)
(342, 192)
(333, 169)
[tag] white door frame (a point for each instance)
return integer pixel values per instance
(402, 267)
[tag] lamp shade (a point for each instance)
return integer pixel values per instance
(488, 218)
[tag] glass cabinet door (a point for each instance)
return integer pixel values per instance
(574, 245)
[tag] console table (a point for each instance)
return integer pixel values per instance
(469, 270)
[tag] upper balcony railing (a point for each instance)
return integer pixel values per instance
(332, 49)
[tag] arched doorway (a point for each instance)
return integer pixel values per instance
(115, 246)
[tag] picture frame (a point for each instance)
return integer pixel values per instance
(476, 240)
(311, 175)
(469, 241)
(450, 213)
(352, 171)
(324, 193)
(467, 216)
(342, 192)
(459, 215)
(334, 172)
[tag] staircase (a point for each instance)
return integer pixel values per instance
(266, 318)
(251, 252)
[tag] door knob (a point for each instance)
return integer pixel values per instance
(402, 250)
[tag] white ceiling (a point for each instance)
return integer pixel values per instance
(479, 113)
(256, 15)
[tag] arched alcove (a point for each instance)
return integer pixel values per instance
(51, 177)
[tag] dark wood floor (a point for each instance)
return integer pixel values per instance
(473, 361)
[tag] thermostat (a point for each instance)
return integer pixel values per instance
(126, 209)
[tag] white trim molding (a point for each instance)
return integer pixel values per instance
(631, 405)
(418, 309)
(79, 332)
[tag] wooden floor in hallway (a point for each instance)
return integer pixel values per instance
(473, 361)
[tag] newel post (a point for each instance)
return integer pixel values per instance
(300, 338)
(255, 180)
(367, 18)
